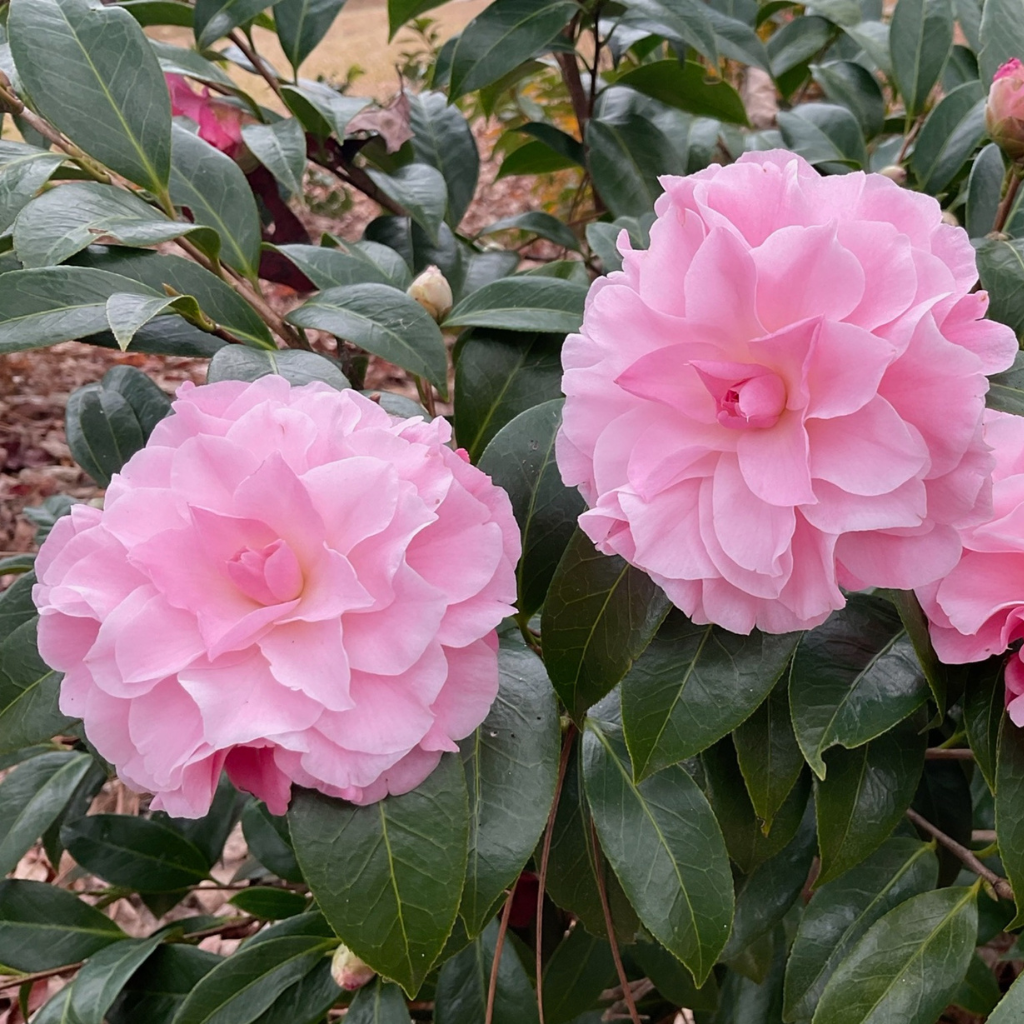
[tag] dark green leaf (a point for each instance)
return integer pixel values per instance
(749, 999)
(943, 798)
(214, 19)
(908, 965)
(693, 685)
(824, 133)
(511, 762)
(865, 795)
(31, 799)
(599, 616)
(135, 852)
(307, 1001)
(873, 38)
(389, 876)
(21, 177)
(281, 148)
(674, 982)
(797, 42)
(1011, 1007)
(211, 832)
(537, 223)
(534, 157)
(920, 41)
(854, 87)
(840, 912)
(331, 268)
(1009, 791)
(378, 1003)
(42, 927)
(383, 321)
(853, 678)
(420, 190)
(523, 304)
(554, 138)
(984, 188)
(103, 431)
(1001, 37)
(233, 362)
(162, 983)
(979, 991)
(688, 87)
(983, 704)
(16, 604)
(579, 970)
(91, 72)
(57, 1010)
(321, 109)
(461, 996)
(689, 21)
(950, 135)
(105, 973)
(442, 138)
(159, 12)
(177, 60)
(521, 460)
(301, 24)
(269, 842)
(269, 902)
(1001, 268)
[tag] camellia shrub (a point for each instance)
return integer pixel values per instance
(662, 661)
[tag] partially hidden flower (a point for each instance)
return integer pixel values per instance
(977, 610)
(349, 971)
(433, 292)
(220, 123)
(783, 395)
(287, 584)
(1004, 111)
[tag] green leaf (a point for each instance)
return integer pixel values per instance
(138, 853)
(212, 187)
(854, 87)
(752, 988)
(42, 927)
(920, 41)
(302, 24)
(693, 685)
(984, 189)
(332, 268)
(511, 762)
(983, 704)
(383, 321)
(944, 798)
(177, 60)
(523, 304)
(21, 178)
(685, 20)
(535, 157)
(578, 971)
(768, 754)
(281, 148)
(159, 12)
(841, 911)
(499, 375)
(420, 189)
(32, 797)
(1011, 1006)
(797, 42)
(103, 431)
(521, 460)
(321, 109)
(214, 19)
(269, 841)
(853, 678)
(824, 133)
(673, 981)
(538, 223)
(91, 72)
(950, 135)
(389, 876)
(599, 616)
(687, 86)
(443, 139)
(57, 1010)
(28, 691)
(865, 796)
(1002, 37)
(16, 604)
(979, 991)
(105, 973)
(269, 902)
(1001, 268)
(501, 37)
(873, 38)
(378, 1003)
(462, 985)
(1009, 791)
(127, 313)
(161, 984)
(663, 842)
(909, 963)
(233, 362)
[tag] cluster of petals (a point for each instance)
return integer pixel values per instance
(288, 584)
(977, 610)
(783, 395)
(220, 123)
(1004, 111)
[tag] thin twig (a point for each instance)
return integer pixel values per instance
(627, 992)
(1006, 206)
(542, 874)
(26, 979)
(949, 754)
(998, 883)
(499, 945)
(257, 62)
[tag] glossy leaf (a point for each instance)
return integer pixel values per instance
(420, 189)
(521, 460)
(599, 616)
(23, 172)
(389, 893)
(663, 842)
(1001, 268)
(307, 1001)
(331, 268)
(1009, 791)
(944, 798)
(322, 109)
(983, 191)
(950, 135)
(383, 321)
(853, 678)
(159, 12)
(378, 1003)
(233, 362)
(984, 702)
(865, 795)
(269, 841)
(854, 87)
(688, 87)
(538, 223)
(1011, 1006)
(693, 685)
(1002, 37)
(523, 304)
(511, 762)
(103, 431)
(91, 73)
(841, 911)
(281, 148)
(673, 981)
(42, 927)
(302, 24)
(797, 42)
(214, 19)
(685, 20)
(824, 133)
(105, 973)
(578, 971)
(908, 964)
(443, 139)
(210, 832)
(269, 902)
(920, 41)
(162, 983)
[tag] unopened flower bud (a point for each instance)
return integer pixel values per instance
(433, 292)
(895, 173)
(950, 218)
(349, 971)
(1004, 112)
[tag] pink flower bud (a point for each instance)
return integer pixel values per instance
(349, 971)
(433, 292)
(1004, 113)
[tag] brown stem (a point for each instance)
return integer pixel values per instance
(257, 62)
(952, 754)
(998, 883)
(499, 945)
(627, 992)
(26, 979)
(1003, 213)
(597, 60)
(908, 139)
(573, 82)
(542, 873)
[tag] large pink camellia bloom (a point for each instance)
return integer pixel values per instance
(978, 609)
(285, 583)
(783, 394)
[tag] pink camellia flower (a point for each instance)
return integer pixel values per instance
(287, 584)
(977, 610)
(1004, 112)
(783, 395)
(220, 123)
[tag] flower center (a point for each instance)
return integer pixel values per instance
(270, 575)
(747, 396)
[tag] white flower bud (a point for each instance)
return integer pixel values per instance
(349, 971)
(433, 292)
(895, 173)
